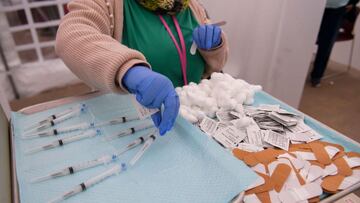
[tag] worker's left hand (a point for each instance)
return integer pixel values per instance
(152, 91)
(207, 36)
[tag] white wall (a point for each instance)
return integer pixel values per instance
(341, 51)
(271, 42)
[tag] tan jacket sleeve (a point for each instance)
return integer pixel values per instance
(215, 58)
(85, 44)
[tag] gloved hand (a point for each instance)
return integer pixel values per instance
(207, 36)
(152, 90)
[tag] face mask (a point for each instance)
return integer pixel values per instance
(170, 7)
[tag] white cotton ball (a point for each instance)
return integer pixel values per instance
(186, 113)
(191, 118)
(178, 90)
(204, 88)
(192, 84)
(233, 92)
(239, 108)
(207, 103)
(192, 97)
(190, 88)
(200, 92)
(242, 123)
(182, 94)
(238, 85)
(205, 82)
(217, 77)
(222, 99)
(184, 99)
(249, 101)
(228, 105)
(244, 82)
(211, 112)
(183, 110)
(195, 108)
(229, 77)
(198, 114)
(256, 88)
(196, 98)
(215, 92)
(186, 89)
(240, 98)
(224, 86)
(251, 93)
(233, 103)
(249, 97)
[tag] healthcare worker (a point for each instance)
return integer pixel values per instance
(141, 47)
(332, 20)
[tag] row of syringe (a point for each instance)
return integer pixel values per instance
(89, 129)
(38, 130)
(148, 141)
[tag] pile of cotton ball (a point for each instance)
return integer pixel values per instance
(221, 93)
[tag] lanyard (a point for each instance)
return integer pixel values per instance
(181, 50)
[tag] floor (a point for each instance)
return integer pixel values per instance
(336, 102)
(73, 90)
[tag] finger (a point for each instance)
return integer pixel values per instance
(177, 106)
(217, 36)
(171, 111)
(138, 97)
(156, 118)
(202, 33)
(196, 36)
(209, 37)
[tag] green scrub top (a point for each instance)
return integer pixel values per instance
(144, 32)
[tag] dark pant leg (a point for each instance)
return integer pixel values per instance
(329, 29)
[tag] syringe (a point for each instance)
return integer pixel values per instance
(58, 120)
(118, 120)
(93, 163)
(81, 126)
(130, 131)
(143, 149)
(61, 142)
(73, 169)
(57, 131)
(55, 116)
(90, 182)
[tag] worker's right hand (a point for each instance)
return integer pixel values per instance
(152, 90)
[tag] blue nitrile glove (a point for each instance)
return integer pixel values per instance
(152, 90)
(207, 36)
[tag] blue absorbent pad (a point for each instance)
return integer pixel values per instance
(183, 166)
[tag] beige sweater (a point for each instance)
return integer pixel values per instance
(88, 41)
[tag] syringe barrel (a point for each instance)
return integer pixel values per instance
(86, 134)
(145, 147)
(112, 171)
(90, 164)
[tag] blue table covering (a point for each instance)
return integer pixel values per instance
(183, 166)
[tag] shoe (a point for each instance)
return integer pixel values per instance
(315, 83)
